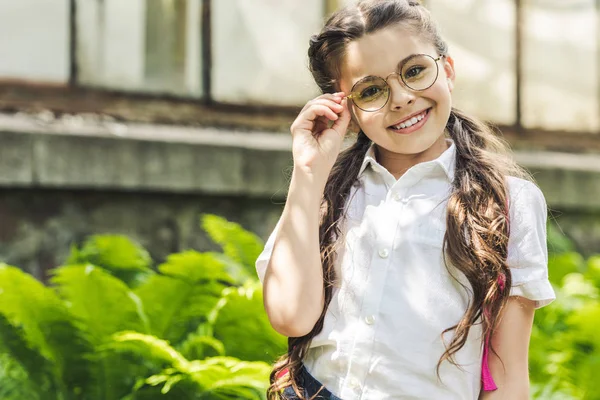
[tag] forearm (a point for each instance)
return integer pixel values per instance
(507, 392)
(293, 286)
(509, 367)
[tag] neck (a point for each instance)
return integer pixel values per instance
(397, 164)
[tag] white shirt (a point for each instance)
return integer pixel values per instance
(381, 337)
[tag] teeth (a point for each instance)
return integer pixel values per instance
(410, 122)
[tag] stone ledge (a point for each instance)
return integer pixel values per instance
(106, 155)
(77, 154)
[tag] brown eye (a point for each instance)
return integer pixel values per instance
(370, 92)
(414, 72)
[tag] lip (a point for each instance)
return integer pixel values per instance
(409, 117)
(414, 127)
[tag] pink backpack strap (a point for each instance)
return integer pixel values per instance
(487, 382)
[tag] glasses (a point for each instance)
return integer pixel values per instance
(418, 72)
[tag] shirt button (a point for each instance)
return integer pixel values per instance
(397, 197)
(354, 383)
(370, 320)
(383, 253)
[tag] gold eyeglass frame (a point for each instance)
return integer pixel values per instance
(400, 67)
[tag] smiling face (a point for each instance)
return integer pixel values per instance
(421, 137)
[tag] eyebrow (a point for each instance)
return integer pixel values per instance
(397, 68)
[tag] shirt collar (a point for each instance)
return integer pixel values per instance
(446, 160)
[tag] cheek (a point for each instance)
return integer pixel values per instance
(440, 92)
(369, 119)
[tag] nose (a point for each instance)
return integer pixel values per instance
(400, 95)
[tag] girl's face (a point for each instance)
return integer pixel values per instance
(378, 54)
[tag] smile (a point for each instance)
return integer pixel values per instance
(411, 124)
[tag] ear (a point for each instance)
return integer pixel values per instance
(449, 71)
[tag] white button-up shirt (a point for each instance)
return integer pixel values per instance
(381, 337)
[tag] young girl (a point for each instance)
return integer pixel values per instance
(409, 265)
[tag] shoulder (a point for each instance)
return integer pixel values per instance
(528, 211)
(523, 194)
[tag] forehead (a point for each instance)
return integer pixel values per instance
(379, 53)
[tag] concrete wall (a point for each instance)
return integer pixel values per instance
(60, 183)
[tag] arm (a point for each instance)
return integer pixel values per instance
(294, 295)
(293, 286)
(511, 341)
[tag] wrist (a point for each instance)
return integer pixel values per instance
(309, 179)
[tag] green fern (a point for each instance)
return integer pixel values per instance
(179, 299)
(16, 383)
(198, 346)
(60, 341)
(48, 328)
(231, 316)
(194, 267)
(224, 377)
(23, 369)
(91, 291)
(118, 254)
(239, 246)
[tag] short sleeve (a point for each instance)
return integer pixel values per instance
(263, 259)
(527, 247)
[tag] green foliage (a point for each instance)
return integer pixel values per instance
(117, 254)
(240, 247)
(261, 342)
(565, 345)
(112, 326)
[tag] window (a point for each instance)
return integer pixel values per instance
(34, 40)
(139, 45)
(481, 38)
(561, 89)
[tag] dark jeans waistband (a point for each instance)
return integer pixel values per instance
(310, 386)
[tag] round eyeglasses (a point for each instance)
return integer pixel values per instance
(418, 72)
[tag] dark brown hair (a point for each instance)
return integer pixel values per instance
(477, 226)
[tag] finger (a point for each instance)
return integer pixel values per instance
(335, 97)
(341, 125)
(318, 110)
(336, 107)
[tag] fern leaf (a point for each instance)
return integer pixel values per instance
(212, 375)
(194, 267)
(101, 301)
(178, 301)
(151, 346)
(238, 244)
(16, 382)
(241, 310)
(48, 327)
(118, 254)
(198, 345)
(26, 363)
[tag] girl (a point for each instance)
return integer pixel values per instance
(409, 265)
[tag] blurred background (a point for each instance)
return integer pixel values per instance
(136, 117)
